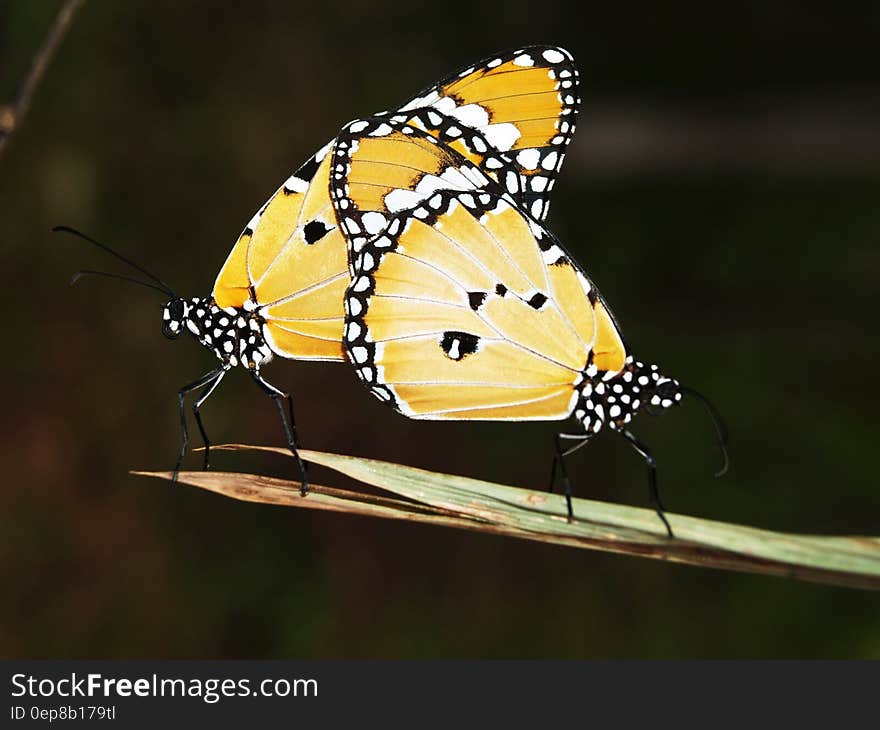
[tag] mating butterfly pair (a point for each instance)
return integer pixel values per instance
(413, 246)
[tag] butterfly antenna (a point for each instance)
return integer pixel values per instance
(90, 272)
(720, 428)
(161, 285)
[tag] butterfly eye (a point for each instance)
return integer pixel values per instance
(177, 309)
(666, 390)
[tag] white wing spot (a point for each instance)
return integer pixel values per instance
(398, 200)
(445, 105)
(549, 161)
(529, 158)
(473, 115)
(373, 222)
(502, 136)
(381, 131)
(362, 283)
(295, 184)
(359, 354)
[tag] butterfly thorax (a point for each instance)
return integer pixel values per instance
(613, 398)
(233, 334)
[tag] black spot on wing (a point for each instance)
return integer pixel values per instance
(537, 301)
(476, 299)
(458, 345)
(500, 290)
(544, 242)
(308, 170)
(315, 230)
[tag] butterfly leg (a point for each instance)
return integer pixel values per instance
(289, 426)
(559, 458)
(207, 378)
(652, 477)
(198, 416)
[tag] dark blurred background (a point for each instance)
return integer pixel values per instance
(722, 190)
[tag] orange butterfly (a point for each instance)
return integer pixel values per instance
(462, 306)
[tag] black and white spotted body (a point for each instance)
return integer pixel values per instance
(613, 398)
(234, 335)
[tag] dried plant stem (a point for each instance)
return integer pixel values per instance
(12, 115)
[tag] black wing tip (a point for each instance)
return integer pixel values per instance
(540, 48)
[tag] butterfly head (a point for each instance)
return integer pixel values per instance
(614, 398)
(174, 316)
(660, 394)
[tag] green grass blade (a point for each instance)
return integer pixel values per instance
(536, 515)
